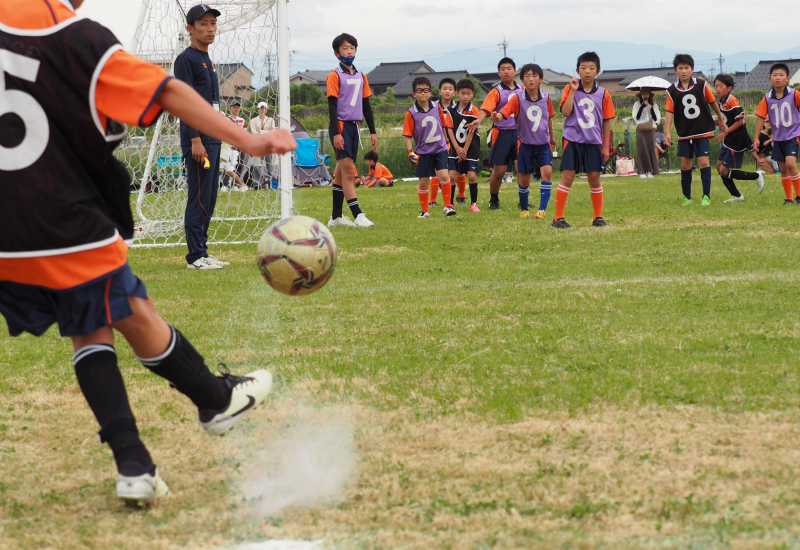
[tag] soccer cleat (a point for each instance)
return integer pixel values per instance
(706, 201)
(494, 205)
(449, 211)
(340, 221)
(203, 264)
(247, 393)
(599, 222)
(561, 223)
(461, 200)
(687, 202)
(539, 214)
(223, 188)
(424, 215)
(788, 201)
(142, 489)
(524, 214)
(474, 208)
(215, 260)
(797, 199)
(432, 204)
(760, 181)
(362, 221)
(740, 198)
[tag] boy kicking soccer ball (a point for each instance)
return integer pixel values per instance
(425, 124)
(64, 260)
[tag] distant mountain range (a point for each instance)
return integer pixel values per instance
(561, 55)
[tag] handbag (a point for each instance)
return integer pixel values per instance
(625, 166)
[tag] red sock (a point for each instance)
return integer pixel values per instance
(787, 187)
(423, 198)
(447, 193)
(434, 189)
(796, 184)
(461, 182)
(597, 201)
(561, 201)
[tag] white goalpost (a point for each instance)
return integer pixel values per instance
(251, 55)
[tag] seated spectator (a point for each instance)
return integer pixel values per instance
(379, 175)
(228, 159)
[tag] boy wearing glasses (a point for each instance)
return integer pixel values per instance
(426, 123)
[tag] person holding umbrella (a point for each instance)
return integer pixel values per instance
(646, 116)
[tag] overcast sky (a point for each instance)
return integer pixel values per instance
(412, 29)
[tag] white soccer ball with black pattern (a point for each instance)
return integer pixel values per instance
(296, 255)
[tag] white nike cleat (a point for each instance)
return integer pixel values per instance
(362, 221)
(204, 264)
(740, 198)
(760, 180)
(215, 260)
(247, 393)
(341, 221)
(141, 490)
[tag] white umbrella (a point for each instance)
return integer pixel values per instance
(652, 82)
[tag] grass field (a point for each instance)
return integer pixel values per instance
(505, 385)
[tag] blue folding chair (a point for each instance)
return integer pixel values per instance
(170, 174)
(307, 162)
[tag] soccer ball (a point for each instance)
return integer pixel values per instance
(296, 255)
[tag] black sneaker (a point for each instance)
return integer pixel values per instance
(788, 201)
(494, 205)
(432, 204)
(797, 199)
(561, 223)
(461, 200)
(599, 222)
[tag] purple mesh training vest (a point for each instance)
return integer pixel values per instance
(585, 123)
(532, 124)
(428, 131)
(509, 123)
(783, 116)
(351, 92)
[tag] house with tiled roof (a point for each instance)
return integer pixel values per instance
(317, 78)
(387, 75)
(616, 80)
(553, 82)
(758, 78)
(403, 88)
(235, 82)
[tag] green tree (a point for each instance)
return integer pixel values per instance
(389, 98)
(306, 94)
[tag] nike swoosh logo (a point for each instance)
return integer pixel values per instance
(250, 403)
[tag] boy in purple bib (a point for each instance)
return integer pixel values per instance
(588, 111)
(781, 107)
(426, 123)
(348, 103)
(504, 133)
(533, 111)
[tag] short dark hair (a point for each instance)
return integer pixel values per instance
(726, 79)
(588, 57)
(506, 60)
(465, 84)
(420, 80)
(447, 81)
(683, 59)
(371, 155)
(778, 66)
(531, 67)
(341, 39)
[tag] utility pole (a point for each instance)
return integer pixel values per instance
(504, 45)
(721, 59)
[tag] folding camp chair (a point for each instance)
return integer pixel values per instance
(307, 163)
(170, 174)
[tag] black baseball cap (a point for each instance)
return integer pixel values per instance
(235, 102)
(199, 11)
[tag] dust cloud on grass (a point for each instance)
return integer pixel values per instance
(308, 465)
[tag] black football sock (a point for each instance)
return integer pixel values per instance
(354, 208)
(705, 179)
(686, 183)
(742, 175)
(495, 197)
(186, 370)
(338, 201)
(102, 385)
(731, 187)
(473, 192)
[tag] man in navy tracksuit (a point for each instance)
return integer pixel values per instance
(200, 152)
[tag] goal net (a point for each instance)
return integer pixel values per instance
(248, 61)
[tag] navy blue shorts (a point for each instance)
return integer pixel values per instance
(697, 147)
(430, 164)
(729, 158)
(529, 156)
(504, 147)
(582, 157)
(351, 141)
(79, 310)
(783, 149)
(469, 165)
